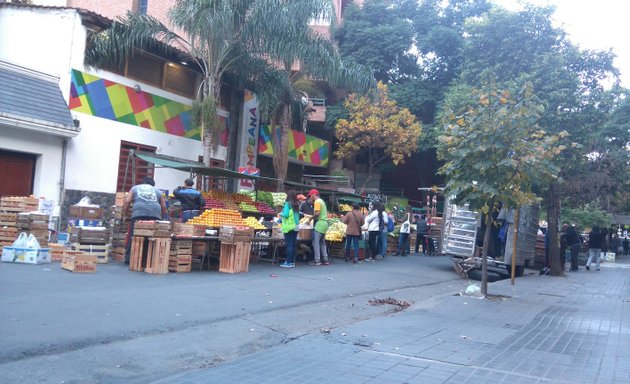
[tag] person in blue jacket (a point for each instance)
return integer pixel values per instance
(191, 199)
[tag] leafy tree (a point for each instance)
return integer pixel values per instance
(378, 129)
(587, 216)
(236, 37)
(495, 151)
(524, 46)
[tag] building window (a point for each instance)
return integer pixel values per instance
(141, 6)
(131, 171)
(146, 68)
(179, 80)
(208, 182)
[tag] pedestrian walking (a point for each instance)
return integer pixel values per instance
(148, 204)
(625, 245)
(595, 241)
(191, 199)
(320, 215)
(572, 241)
(290, 216)
(422, 230)
(354, 221)
(403, 239)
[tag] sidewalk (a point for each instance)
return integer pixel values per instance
(545, 330)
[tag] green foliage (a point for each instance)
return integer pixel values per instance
(334, 113)
(494, 149)
(587, 216)
(265, 197)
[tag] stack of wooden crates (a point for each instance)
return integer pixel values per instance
(92, 241)
(150, 247)
(236, 246)
(118, 227)
(10, 207)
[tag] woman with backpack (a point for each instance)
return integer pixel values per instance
(290, 216)
(354, 221)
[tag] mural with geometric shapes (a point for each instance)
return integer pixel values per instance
(303, 148)
(103, 98)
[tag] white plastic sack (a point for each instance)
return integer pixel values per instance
(84, 202)
(20, 242)
(32, 243)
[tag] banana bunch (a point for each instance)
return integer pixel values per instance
(253, 223)
(345, 207)
(306, 219)
(336, 231)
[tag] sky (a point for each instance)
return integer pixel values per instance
(591, 24)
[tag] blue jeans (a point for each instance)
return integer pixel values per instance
(187, 215)
(290, 238)
(403, 243)
(383, 238)
(319, 247)
(352, 242)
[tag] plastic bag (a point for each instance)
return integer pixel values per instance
(84, 202)
(32, 243)
(20, 242)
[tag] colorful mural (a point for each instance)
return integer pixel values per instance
(302, 147)
(99, 97)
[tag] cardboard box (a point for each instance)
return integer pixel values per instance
(25, 255)
(88, 213)
(305, 234)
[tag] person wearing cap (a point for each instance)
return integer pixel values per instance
(191, 199)
(306, 208)
(320, 215)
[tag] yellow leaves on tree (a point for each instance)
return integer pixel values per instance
(378, 128)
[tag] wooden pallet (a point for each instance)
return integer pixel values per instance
(158, 255)
(8, 218)
(79, 262)
(234, 258)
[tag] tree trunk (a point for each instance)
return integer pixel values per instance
(207, 143)
(553, 218)
(484, 251)
(235, 124)
(280, 141)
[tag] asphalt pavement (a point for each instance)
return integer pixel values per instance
(312, 324)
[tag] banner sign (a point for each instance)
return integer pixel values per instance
(249, 139)
(304, 149)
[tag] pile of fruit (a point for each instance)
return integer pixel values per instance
(246, 207)
(214, 203)
(218, 217)
(264, 208)
(345, 207)
(336, 231)
(253, 223)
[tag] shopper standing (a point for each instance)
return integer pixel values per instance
(572, 241)
(148, 204)
(354, 221)
(422, 229)
(320, 215)
(376, 224)
(403, 239)
(306, 208)
(595, 240)
(290, 216)
(191, 199)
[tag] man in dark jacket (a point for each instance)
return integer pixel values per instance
(191, 199)
(572, 241)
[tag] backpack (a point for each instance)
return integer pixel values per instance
(390, 225)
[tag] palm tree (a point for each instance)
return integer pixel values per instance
(247, 38)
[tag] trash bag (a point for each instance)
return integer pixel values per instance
(21, 241)
(84, 202)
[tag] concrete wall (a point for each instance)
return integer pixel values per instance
(92, 160)
(48, 165)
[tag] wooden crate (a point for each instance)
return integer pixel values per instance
(179, 263)
(89, 213)
(8, 234)
(181, 229)
(118, 254)
(8, 219)
(89, 235)
(158, 255)
(79, 262)
(234, 258)
(138, 254)
(120, 198)
(100, 251)
(56, 251)
(336, 249)
(152, 228)
(18, 204)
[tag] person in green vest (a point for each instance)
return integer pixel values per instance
(290, 216)
(320, 215)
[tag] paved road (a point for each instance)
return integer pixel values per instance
(542, 330)
(116, 326)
